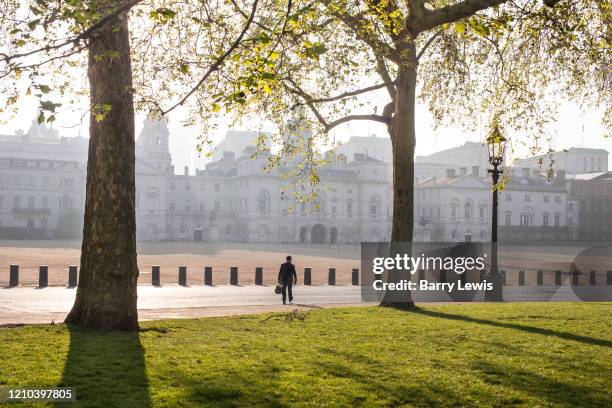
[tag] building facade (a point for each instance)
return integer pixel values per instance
(42, 188)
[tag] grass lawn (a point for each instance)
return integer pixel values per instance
(520, 354)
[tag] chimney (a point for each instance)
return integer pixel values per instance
(450, 173)
(476, 171)
(462, 171)
(186, 170)
(525, 172)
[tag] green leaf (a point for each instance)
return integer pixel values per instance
(216, 108)
(460, 27)
(44, 89)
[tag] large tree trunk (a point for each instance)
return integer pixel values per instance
(106, 294)
(403, 140)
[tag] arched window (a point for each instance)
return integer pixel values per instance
(468, 209)
(454, 204)
(482, 209)
(263, 202)
(375, 206)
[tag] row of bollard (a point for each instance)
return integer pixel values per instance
(43, 276)
(208, 278)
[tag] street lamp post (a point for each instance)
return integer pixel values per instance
(496, 144)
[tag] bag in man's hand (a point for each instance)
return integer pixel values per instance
(278, 289)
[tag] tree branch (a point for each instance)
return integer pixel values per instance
(382, 70)
(83, 35)
(428, 43)
(309, 101)
(219, 60)
(345, 94)
(452, 13)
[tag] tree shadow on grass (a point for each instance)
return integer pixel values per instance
(107, 369)
(514, 326)
(556, 391)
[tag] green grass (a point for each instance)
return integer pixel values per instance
(530, 354)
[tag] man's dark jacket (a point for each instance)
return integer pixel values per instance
(287, 275)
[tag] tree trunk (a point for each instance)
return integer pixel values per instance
(403, 140)
(106, 293)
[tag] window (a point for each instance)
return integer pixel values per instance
(303, 209)
(171, 206)
(526, 220)
(508, 197)
(187, 205)
(557, 199)
(45, 202)
(333, 210)
(570, 207)
(350, 191)
(453, 212)
(570, 221)
(201, 207)
(546, 198)
(30, 202)
(172, 186)
(454, 234)
(557, 220)
(32, 181)
(202, 186)
(374, 206)
(217, 187)
(263, 202)
(349, 208)
(182, 228)
(45, 181)
(187, 185)
(468, 210)
(217, 205)
(545, 220)
(481, 212)
(527, 197)
(508, 218)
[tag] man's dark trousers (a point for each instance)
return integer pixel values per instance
(287, 288)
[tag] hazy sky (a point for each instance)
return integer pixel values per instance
(573, 129)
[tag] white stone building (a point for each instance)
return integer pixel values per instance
(575, 160)
(42, 185)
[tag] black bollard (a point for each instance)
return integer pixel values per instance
(331, 278)
(43, 276)
(307, 276)
(234, 275)
(208, 275)
(378, 277)
(155, 279)
(503, 275)
(182, 277)
(259, 275)
(72, 276)
(355, 277)
(521, 278)
(609, 278)
(592, 278)
(14, 275)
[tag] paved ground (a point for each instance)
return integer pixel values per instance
(31, 305)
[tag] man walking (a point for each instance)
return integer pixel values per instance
(287, 278)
